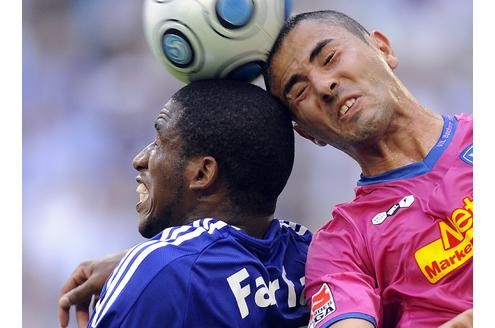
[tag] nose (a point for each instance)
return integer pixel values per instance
(140, 161)
(325, 88)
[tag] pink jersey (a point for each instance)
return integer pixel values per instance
(400, 254)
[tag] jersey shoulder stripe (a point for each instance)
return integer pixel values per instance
(135, 256)
(298, 228)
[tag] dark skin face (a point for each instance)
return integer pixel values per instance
(175, 191)
(162, 186)
(340, 90)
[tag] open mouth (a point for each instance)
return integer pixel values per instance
(143, 192)
(345, 107)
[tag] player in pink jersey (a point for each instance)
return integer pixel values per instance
(400, 254)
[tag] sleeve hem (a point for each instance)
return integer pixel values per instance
(350, 315)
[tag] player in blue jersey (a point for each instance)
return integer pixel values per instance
(208, 187)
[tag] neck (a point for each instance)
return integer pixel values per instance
(253, 224)
(410, 136)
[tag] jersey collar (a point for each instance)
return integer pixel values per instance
(414, 169)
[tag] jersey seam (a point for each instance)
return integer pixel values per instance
(363, 237)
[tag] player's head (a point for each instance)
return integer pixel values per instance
(328, 17)
(220, 144)
(322, 63)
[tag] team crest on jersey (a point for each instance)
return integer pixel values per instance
(322, 305)
(467, 155)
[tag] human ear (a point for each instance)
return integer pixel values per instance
(383, 44)
(306, 135)
(202, 172)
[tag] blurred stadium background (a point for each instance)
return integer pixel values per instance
(91, 90)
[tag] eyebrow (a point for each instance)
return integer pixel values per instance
(317, 49)
(164, 115)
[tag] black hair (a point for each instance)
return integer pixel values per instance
(247, 131)
(325, 16)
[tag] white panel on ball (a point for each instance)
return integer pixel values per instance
(202, 39)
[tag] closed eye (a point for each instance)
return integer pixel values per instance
(296, 92)
(300, 92)
(329, 58)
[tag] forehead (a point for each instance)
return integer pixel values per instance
(298, 44)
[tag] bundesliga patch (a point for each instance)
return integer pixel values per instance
(322, 305)
(467, 155)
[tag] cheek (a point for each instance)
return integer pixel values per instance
(316, 126)
(158, 183)
(311, 112)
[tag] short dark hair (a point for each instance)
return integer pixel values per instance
(325, 16)
(247, 131)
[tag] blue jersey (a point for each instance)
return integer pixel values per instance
(209, 274)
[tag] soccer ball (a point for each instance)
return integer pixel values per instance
(203, 39)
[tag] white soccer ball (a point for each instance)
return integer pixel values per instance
(203, 39)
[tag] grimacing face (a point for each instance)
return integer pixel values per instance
(161, 184)
(339, 89)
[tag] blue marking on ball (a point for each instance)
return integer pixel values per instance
(177, 48)
(246, 72)
(234, 14)
(288, 8)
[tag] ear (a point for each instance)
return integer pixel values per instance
(383, 44)
(201, 172)
(306, 135)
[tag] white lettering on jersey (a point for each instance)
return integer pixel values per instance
(292, 290)
(264, 295)
(240, 293)
(302, 299)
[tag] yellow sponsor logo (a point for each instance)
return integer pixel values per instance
(453, 248)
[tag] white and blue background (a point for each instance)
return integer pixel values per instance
(91, 90)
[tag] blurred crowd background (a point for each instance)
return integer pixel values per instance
(91, 91)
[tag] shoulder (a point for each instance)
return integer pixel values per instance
(360, 213)
(465, 127)
(283, 237)
(297, 230)
(173, 245)
(341, 231)
(464, 132)
(345, 232)
(161, 266)
(463, 117)
(353, 227)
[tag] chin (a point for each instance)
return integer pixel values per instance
(150, 226)
(146, 228)
(148, 233)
